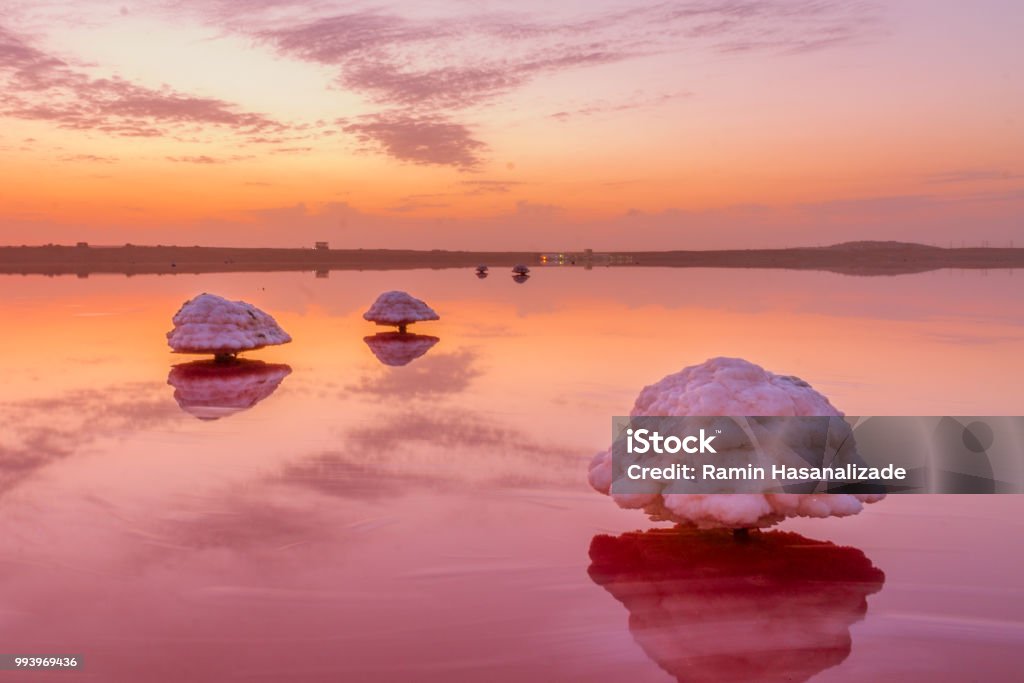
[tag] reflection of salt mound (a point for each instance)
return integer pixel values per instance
(399, 348)
(211, 390)
(706, 608)
(212, 324)
(729, 387)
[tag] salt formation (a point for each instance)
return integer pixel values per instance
(708, 609)
(212, 324)
(521, 278)
(398, 348)
(211, 390)
(729, 387)
(520, 269)
(399, 309)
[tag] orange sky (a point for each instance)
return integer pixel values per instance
(498, 125)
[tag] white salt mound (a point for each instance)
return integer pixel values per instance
(399, 308)
(727, 387)
(212, 324)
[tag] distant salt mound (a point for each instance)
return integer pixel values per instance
(211, 390)
(399, 309)
(210, 324)
(729, 387)
(398, 348)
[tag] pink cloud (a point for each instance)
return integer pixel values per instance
(425, 70)
(478, 187)
(93, 158)
(637, 102)
(973, 175)
(333, 39)
(204, 159)
(380, 54)
(432, 67)
(38, 86)
(430, 140)
(292, 150)
(415, 203)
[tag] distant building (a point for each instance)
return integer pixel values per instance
(587, 257)
(82, 244)
(553, 259)
(322, 245)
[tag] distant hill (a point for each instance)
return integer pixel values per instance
(879, 245)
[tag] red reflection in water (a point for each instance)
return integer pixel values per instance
(211, 390)
(706, 607)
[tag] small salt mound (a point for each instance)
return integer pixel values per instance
(212, 324)
(729, 387)
(399, 309)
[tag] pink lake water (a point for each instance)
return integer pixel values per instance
(348, 520)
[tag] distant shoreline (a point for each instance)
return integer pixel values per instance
(854, 258)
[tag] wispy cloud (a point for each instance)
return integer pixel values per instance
(427, 73)
(638, 101)
(415, 202)
(40, 86)
(417, 139)
(204, 159)
(477, 187)
(974, 175)
(434, 68)
(292, 150)
(441, 63)
(436, 375)
(455, 87)
(89, 158)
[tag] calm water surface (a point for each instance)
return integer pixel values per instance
(326, 516)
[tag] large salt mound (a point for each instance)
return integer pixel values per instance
(729, 387)
(212, 324)
(399, 309)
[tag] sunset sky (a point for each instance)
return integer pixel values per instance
(449, 123)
